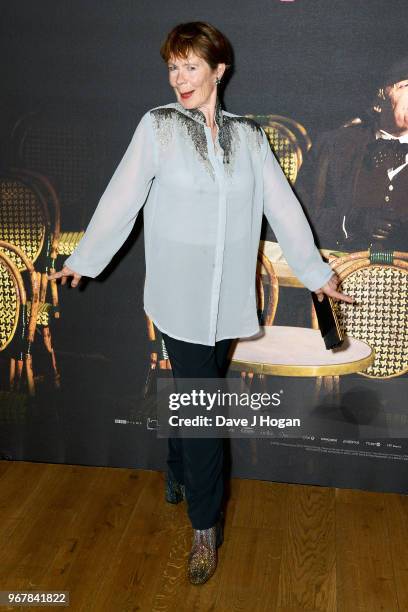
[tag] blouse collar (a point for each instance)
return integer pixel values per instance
(199, 116)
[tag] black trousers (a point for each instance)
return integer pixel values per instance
(198, 462)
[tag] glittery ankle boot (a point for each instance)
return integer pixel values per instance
(202, 560)
(174, 491)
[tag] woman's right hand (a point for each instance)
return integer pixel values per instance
(64, 274)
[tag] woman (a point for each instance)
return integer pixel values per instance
(205, 177)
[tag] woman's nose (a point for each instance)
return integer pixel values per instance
(180, 78)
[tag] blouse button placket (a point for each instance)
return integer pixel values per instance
(217, 163)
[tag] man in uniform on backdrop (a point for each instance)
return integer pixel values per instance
(353, 183)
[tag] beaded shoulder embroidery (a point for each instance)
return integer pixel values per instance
(166, 119)
(190, 123)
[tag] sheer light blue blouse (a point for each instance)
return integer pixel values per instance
(202, 208)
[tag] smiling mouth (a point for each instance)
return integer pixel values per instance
(187, 94)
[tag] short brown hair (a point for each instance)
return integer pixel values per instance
(202, 39)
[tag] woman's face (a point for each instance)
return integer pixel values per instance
(193, 80)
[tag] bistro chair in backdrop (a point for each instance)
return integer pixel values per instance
(288, 139)
(25, 223)
(290, 142)
(18, 318)
(379, 281)
(62, 243)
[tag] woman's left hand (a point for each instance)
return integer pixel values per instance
(330, 289)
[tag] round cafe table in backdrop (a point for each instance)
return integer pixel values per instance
(297, 351)
(279, 350)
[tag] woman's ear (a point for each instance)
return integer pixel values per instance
(220, 70)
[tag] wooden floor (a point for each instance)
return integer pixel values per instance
(107, 536)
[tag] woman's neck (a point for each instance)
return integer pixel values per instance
(208, 109)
